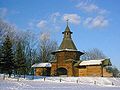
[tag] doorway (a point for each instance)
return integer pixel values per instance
(61, 71)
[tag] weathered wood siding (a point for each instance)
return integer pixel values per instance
(94, 70)
(76, 71)
(82, 72)
(90, 71)
(38, 71)
(106, 74)
(63, 62)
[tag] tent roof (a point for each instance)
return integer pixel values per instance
(67, 42)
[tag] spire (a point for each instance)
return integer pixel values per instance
(67, 27)
(67, 42)
(67, 33)
(67, 21)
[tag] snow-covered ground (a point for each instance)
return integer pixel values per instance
(60, 83)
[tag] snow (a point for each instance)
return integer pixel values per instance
(67, 49)
(60, 83)
(42, 65)
(91, 62)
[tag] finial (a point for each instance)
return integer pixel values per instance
(67, 21)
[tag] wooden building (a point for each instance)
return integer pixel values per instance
(67, 61)
(94, 68)
(42, 69)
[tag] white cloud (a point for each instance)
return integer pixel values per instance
(91, 8)
(96, 22)
(53, 23)
(3, 12)
(42, 24)
(102, 11)
(73, 18)
(87, 7)
(45, 36)
(54, 16)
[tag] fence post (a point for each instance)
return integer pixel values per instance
(33, 77)
(44, 78)
(77, 81)
(60, 79)
(4, 77)
(112, 83)
(95, 82)
(18, 79)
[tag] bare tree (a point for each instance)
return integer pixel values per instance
(6, 29)
(27, 38)
(93, 54)
(46, 47)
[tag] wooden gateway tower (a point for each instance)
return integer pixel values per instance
(67, 62)
(66, 56)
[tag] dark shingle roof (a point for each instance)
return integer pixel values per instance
(67, 43)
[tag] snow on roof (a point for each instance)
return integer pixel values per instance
(42, 65)
(66, 49)
(91, 62)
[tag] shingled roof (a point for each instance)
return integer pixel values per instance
(67, 42)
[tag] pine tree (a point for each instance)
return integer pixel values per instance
(20, 57)
(1, 58)
(7, 62)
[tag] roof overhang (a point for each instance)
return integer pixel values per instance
(67, 50)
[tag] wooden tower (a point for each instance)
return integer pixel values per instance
(66, 56)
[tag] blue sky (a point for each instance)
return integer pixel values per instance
(94, 23)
